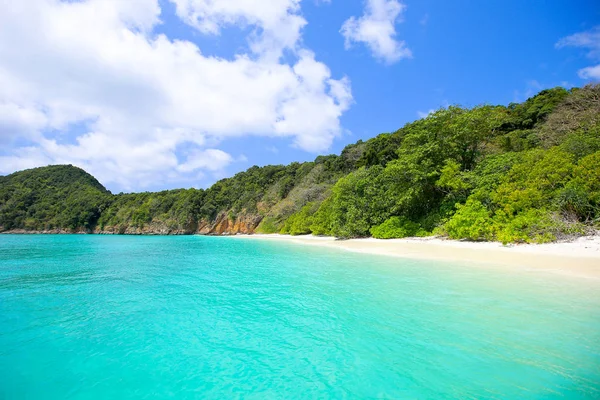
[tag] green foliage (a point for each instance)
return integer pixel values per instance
(540, 199)
(397, 227)
(472, 221)
(585, 197)
(587, 175)
(381, 149)
(535, 181)
(456, 183)
(175, 209)
(243, 191)
(528, 172)
(300, 222)
(322, 220)
(573, 201)
(535, 226)
(582, 142)
(490, 173)
(519, 140)
(535, 109)
(355, 206)
(268, 225)
(55, 197)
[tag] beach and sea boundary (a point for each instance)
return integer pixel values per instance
(580, 257)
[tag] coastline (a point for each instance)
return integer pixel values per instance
(580, 257)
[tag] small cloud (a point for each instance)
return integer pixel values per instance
(589, 40)
(590, 72)
(425, 20)
(210, 159)
(273, 149)
(422, 114)
(377, 29)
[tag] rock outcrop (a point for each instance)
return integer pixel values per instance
(153, 228)
(223, 225)
(45, 231)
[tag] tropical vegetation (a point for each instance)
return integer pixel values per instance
(526, 172)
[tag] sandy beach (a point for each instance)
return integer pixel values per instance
(580, 257)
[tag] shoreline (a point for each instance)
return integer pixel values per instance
(580, 257)
(577, 258)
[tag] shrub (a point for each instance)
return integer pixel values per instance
(300, 222)
(587, 174)
(396, 227)
(322, 220)
(268, 225)
(471, 221)
(582, 142)
(535, 226)
(573, 201)
(529, 226)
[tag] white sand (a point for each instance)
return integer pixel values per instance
(577, 258)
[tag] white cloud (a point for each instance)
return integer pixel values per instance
(143, 98)
(590, 72)
(422, 114)
(377, 29)
(589, 40)
(210, 159)
(18, 122)
(278, 23)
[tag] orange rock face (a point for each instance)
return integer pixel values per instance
(223, 225)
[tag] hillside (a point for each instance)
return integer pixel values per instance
(527, 172)
(55, 197)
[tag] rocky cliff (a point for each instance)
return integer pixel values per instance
(222, 225)
(153, 228)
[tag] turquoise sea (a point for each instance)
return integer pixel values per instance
(121, 317)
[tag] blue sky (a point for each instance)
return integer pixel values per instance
(150, 95)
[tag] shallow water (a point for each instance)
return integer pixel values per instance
(98, 317)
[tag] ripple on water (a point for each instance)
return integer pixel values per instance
(189, 317)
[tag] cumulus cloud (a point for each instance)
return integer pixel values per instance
(589, 40)
(590, 72)
(210, 159)
(377, 30)
(278, 23)
(139, 98)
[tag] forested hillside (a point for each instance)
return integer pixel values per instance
(57, 196)
(526, 172)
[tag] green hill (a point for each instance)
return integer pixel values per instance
(53, 197)
(527, 172)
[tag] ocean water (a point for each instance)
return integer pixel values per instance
(120, 317)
